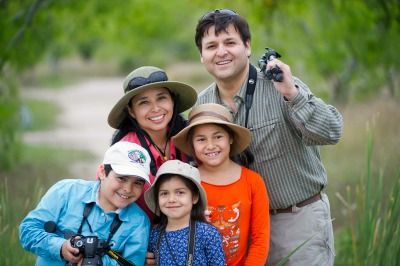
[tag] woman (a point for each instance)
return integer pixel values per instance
(149, 114)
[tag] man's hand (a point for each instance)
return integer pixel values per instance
(70, 253)
(286, 86)
(150, 259)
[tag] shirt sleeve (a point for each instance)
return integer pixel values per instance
(32, 234)
(317, 122)
(214, 251)
(260, 221)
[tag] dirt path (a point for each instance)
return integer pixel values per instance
(82, 123)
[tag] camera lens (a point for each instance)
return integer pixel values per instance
(79, 243)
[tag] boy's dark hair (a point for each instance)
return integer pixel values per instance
(221, 21)
(198, 209)
(129, 124)
(107, 169)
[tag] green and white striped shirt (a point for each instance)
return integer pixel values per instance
(285, 138)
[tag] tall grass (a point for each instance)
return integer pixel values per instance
(371, 236)
(10, 215)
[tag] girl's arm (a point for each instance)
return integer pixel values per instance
(214, 251)
(259, 222)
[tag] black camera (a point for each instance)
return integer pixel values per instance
(92, 248)
(275, 73)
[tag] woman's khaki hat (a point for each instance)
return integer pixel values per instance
(144, 78)
(212, 113)
(175, 167)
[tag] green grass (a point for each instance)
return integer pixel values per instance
(371, 236)
(20, 190)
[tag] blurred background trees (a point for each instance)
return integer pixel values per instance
(345, 50)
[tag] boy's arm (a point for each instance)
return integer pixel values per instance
(33, 236)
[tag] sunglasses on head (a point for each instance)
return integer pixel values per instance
(223, 11)
(157, 76)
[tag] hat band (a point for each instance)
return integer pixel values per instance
(157, 76)
(209, 113)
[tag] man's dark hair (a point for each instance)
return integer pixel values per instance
(221, 22)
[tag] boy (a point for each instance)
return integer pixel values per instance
(104, 209)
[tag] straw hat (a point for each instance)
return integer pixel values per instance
(212, 113)
(147, 77)
(175, 167)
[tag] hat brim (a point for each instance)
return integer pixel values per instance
(186, 94)
(129, 170)
(150, 198)
(241, 138)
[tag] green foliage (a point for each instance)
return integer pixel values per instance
(43, 115)
(351, 44)
(9, 121)
(372, 234)
(10, 216)
(21, 189)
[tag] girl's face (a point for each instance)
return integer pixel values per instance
(117, 192)
(211, 144)
(176, 200)
(152, 109)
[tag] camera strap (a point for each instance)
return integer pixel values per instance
(251, 86)
(189, 256)
(113, 228)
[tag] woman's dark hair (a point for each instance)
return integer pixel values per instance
(198, 209)
(221, 22)
(129, 124)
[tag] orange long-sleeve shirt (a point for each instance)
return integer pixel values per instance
(240, 211)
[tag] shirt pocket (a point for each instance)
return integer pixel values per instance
(266, 140)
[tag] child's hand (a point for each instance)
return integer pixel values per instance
(150, 259)
(70, 253)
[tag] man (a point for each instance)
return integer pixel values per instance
(287, 123)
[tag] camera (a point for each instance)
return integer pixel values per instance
(275, 73)
(92, 248)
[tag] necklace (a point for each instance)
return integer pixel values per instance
(161, 151)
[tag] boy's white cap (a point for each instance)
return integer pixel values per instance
(182, 169)
(128, 159)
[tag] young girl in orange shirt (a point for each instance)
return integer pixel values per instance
(238, 203)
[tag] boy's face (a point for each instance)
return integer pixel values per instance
(117, 192)
(225, 56)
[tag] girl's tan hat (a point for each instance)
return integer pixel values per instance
(175, 167)
(144, 78)
(212, 113)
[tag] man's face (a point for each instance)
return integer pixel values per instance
(225, 56)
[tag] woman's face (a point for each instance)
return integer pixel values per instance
(152, 109)
(211, 144)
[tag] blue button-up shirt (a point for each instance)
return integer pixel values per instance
(64, 204)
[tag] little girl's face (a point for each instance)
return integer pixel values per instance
(211, 144)
(176, 200)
